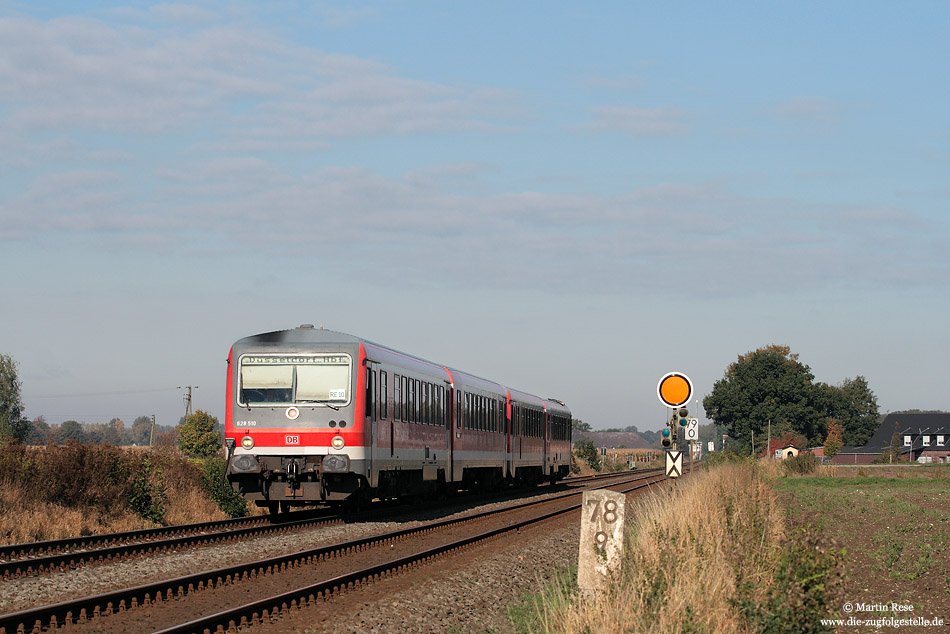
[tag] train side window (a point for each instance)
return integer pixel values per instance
(458, 410)
(383, 396)
(414, 406)
(442, 406)
(397, 394)
(422, 403)
(432, 395)
(418, 401)
(368, 404)
(468, 408)
(425, 403)
(418, 404)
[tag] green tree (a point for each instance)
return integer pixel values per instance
(141, 430)
(41, 431)
(198, 437)
(767, 384)
(70, 430)
(13, 426)
(833, 442)
(859, 412)
(580, 425)
(895, 448)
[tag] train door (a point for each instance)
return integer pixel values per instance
(456, 435)
(546, 445)
(509, 456)
(370, 417)
(449, 420)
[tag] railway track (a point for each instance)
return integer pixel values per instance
(277, 580)
(66, 554)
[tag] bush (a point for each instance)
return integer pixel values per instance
(214, 483)
(149, 494)
(198, 435)
(802, 464)
(585, 449)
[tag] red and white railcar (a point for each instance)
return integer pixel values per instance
(315, 415)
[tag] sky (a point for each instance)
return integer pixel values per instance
(572, 199)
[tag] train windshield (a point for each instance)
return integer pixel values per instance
(295, 379)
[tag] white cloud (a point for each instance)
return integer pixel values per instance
(81, 74)
(814, 113)
(666, 121)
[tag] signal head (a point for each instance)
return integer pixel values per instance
(682, 416)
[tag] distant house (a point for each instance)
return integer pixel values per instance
(781, 448)
(921, 437)
(789, 451)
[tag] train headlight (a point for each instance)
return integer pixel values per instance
(247, 442)
(335, 464)
(244, 464)
(337, 442)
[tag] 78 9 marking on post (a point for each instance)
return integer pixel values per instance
(601, 542)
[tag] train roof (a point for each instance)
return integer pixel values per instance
(305, 333)
(308, 334)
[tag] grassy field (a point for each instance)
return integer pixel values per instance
(717, 552)
(754, 548)
(894, 526)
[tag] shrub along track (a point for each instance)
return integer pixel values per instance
(170, 603)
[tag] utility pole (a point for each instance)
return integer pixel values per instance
(187, 399)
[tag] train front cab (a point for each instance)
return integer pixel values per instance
(294, 419)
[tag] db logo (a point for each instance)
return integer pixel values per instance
(292, 440)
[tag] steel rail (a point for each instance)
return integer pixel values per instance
(37, 557)
(84, 608)
(9, 552)
(22, 567)
(263, 609)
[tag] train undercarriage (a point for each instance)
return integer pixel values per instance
(282, 483)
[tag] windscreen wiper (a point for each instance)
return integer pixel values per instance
(327, 403)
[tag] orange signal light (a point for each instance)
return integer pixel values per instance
(674, 389)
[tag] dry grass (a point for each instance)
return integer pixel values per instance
(59, 492)
(701, 556)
